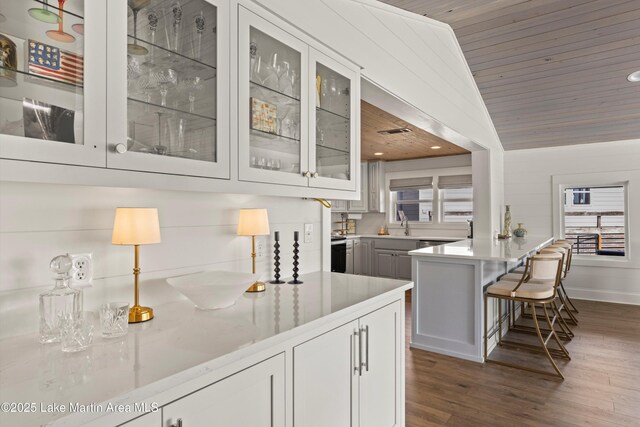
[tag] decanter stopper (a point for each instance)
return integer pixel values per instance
(61, 266)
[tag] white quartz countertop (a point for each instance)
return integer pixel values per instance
(181, 343)
(377, 236)
(508, 250)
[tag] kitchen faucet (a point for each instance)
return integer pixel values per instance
(404, 222)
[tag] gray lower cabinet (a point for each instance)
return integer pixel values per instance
(349, 267)
(391, 258)
(362, 257)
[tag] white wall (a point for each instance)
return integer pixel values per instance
(528, 188)
(40, 221)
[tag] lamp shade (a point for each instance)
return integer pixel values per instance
(253, 222)
(136, 226)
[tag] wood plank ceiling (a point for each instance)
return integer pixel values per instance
(551, 72)
(402, 146)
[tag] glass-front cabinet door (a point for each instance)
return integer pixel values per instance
(273, 104)
(51, 63)
(333, 117)
(169, 108)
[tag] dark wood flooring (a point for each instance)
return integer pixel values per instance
(602, 385)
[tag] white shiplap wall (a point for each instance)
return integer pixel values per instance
(39, 221)
(528, 188)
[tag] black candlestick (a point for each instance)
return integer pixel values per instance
(295, 280)
(276, 260)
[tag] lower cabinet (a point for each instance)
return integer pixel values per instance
(253, 397)
(351, 375)
(153, 419)
(362, 257)
(349, 257)
(392, 264)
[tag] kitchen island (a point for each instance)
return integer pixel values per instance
(336, 339)
(447, 300)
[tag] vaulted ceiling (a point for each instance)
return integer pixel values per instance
(551, 72)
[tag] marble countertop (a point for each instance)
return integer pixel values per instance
(181, 343)
(402, 237)
(508, 250)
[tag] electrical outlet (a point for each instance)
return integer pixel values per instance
(259, 247)
(308, 233)
(81, 269)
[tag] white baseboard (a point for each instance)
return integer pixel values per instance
(604, 296)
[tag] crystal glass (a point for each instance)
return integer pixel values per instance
(60, 302)
(114, 319)
(134, 48)
(77, 331)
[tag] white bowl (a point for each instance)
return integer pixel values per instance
(212, 290)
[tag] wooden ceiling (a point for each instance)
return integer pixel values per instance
(402, 146)
(551, 72)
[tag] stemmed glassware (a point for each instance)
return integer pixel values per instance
(43, 14)
(152, 17)
(176, 27)
(133, 48)
(164, 78)
(199, 24)
(59, 34)
(191, 85)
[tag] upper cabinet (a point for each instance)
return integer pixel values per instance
(297, 115)
(168, 100)
(52, 81)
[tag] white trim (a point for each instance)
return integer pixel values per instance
(604, 296)
(597, 179)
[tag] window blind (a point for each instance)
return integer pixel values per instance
(454, 181)
(411, 184)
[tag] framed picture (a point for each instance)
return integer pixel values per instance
(264, 116)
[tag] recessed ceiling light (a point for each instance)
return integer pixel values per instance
(436, 147)
(634, 77)
(378, 154)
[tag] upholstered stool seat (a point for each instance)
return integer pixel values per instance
(526, 290)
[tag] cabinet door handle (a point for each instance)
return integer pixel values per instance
(178, 423)
(360, 352)
(316, 174)
(121, 148)
(364, 361)
(306, 174)
(355, 342)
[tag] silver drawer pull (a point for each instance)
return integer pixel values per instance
(178, 423)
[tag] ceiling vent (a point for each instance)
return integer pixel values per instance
(394, 131)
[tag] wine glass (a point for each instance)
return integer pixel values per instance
(43, 14)
(153, 19)
(59, 34)
(191, 85)
(199, 25)
(176, 26)
(164, 78)
(134, 48)
(284, 82)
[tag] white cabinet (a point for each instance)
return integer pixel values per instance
(362, 205)
(168, 79)
(53, 82)
(376, 183)
(323, 379)
(297, 109)
(253, 397)
(352, 375)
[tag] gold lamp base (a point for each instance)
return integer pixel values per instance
(139, 314)
(257, 287)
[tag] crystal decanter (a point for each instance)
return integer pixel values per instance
(61, 301)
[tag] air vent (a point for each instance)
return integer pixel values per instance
(394, 131)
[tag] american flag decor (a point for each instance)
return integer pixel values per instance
(53, 63)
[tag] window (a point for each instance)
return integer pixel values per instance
(456, 198)
(457, 204)
(412, 199)
(581, 196)
(594, 220)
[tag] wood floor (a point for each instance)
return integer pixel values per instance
(602, 385)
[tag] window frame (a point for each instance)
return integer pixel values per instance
(442, 200)
(394, 206)
(436, 222)
(591, 180)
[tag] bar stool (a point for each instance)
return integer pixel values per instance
(537, 286)
(568, 245)
(565, 331)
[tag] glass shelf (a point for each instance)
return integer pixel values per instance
(326, 151)
(322, 110)
(52, 6)
(169, 57)
(270, 135)
(149, 106)
(281, 144)
(49, 81)
(276, 92)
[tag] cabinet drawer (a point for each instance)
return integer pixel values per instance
(253, 397)
(395, 244)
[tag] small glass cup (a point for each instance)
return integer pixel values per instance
(114, 319)
(77, 331)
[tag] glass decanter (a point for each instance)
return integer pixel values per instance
(61, 301)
